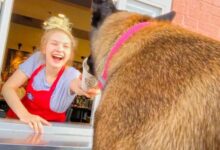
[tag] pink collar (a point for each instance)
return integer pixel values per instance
(122, 39)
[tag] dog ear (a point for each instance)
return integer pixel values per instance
(90, 63)
(100, 10)
(167, 17)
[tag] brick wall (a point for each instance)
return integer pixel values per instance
(201, 16)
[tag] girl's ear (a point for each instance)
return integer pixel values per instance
(43, 51)
(166, 17)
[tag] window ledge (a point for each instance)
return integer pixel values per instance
(59, 135)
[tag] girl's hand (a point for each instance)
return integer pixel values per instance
(35, 122)
(76, 88)
(93, 92)
(36, 139)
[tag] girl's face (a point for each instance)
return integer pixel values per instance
(58, 49)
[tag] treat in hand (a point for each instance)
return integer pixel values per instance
(88, 80)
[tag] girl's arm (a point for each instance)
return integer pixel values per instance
(9, 89)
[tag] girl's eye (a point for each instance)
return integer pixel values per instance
(66, 46)
(53, 43)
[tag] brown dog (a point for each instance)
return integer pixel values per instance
(162, 91)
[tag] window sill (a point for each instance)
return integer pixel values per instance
(59, 135)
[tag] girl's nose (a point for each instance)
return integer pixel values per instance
(60, 47)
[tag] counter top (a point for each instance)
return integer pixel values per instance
(15, 135)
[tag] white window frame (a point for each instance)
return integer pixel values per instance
(164, 5)
(6, 7)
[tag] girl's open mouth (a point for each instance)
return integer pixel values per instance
(57, 58)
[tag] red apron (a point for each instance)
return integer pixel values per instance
(37, 102)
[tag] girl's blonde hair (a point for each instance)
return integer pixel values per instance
(58, 23)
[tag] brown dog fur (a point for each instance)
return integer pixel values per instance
(163, 88)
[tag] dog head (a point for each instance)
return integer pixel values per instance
(108, 24)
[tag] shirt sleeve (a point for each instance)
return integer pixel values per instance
(31, 63)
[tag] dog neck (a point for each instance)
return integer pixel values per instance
(122, 39)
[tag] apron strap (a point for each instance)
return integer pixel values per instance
(57, 79)
(36, 72)
(54, 83)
